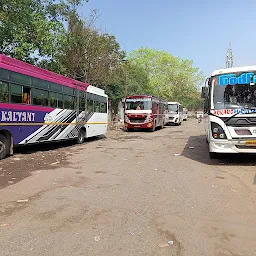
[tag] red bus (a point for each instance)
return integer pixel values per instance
(144, 112)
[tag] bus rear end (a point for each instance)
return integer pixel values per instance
(138, 113)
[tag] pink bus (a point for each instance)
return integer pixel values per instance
(37, 106)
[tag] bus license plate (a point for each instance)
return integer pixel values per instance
(251, 142)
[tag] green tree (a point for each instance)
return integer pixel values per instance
(34, 30)
(89, 55)
(169, 76)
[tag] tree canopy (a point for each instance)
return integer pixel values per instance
(169, 77)
(52, 35)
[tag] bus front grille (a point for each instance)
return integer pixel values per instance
(136, 120)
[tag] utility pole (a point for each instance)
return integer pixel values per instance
(230, 57)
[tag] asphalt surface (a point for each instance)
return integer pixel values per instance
(128, 194)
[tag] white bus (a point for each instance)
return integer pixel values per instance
(39, 106)
(185, 114)
(230, 110)
(174, 113)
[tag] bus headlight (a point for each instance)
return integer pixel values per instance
(217, 131)
(126, 119)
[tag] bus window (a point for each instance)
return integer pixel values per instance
(26, 95)
(20, 78)
(55, 87)
(138, 107)
(16, 93)
(53, 99)
(39, 83)
(68, 90)
(4, 74)
(96, 106)
(40, 97)
(60, 100)
(68, 102)
(4, 92)
(82, 104)
(103, 107)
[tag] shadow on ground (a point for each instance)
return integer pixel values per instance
(48, 146)
(31, 158)
(200, 154)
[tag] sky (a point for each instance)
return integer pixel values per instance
(199, 30)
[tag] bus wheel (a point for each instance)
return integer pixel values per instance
(81, 137)
(153, 128)
(4, 146)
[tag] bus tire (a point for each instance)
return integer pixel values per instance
(213, 155)
(4, 146)
(81, 137)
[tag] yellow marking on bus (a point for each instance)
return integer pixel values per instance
(49, 123)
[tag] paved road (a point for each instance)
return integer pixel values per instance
(128, 194)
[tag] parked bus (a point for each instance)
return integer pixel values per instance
(199, 114)
(37, 106)
(185, 114)
(230, 110)
(175, 113)
(144, 112)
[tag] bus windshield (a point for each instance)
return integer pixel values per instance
(231, 91)
(139, 104)
(173, 107)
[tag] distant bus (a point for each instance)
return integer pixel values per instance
(37, 106)
(199, 114)
(144, 112)
(185, 114)
(175, 113)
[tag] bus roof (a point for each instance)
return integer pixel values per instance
(173, 102)
(31, 70)
(236, 69)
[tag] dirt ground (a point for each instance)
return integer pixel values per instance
(128, 194)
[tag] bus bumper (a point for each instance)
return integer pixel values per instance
(139, 125)
(174, 120)
(231, 146)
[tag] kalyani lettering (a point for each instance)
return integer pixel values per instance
(13, 116)
(233, 111)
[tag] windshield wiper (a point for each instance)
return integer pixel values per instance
(239, 112)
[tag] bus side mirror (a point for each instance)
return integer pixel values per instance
(204, 92)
